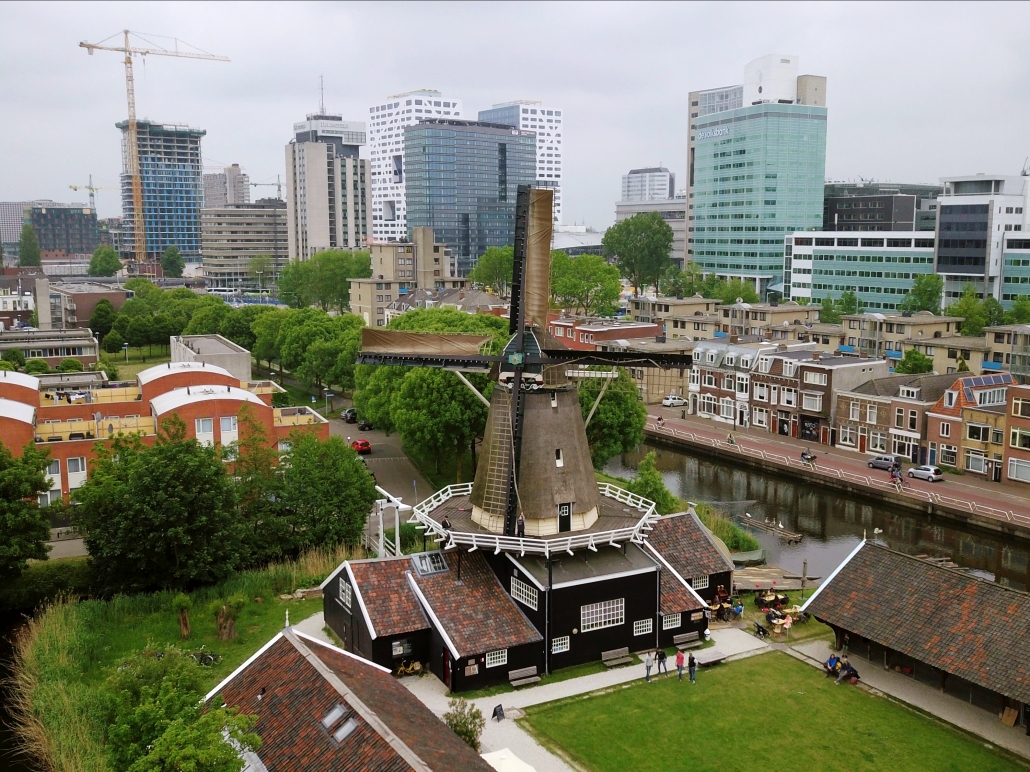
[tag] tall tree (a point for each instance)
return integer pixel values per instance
(28, 247)
(829, 313)
(618, 423)
(258, 489)
(172, 262)
(159, 516)
(259, 268)
(913, 363)
(587, 283)
(641, 245)
(1020, 313)
(494, 269)
(296, 286)
(207, 318)
(24, 526)
(649, 484)
(104, 262)
(971, 309)
(729, 291)
(848, 303)
(102, 319)
(925, 294)
(266, 330)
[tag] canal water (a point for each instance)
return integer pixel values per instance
(833, 523)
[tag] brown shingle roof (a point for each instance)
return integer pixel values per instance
(296, 681)
(931, 387)
(946, 618)
(475, 613)
(687, 546)
(391, 605)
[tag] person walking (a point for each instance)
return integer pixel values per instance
(648, 664)
(692, 667)
(662, 662)
(679, 664)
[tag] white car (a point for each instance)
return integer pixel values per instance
(926, 472)
(673, 401)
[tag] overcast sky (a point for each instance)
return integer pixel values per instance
(914, 92)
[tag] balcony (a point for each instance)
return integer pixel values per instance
(67, 431)
(263, 387)
(103, 396)
(296, 416)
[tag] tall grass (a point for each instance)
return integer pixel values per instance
(735, 538)
(68, 649)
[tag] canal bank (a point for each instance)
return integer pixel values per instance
(851, 476)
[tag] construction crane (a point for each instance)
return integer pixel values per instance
(138, 220)
(278, 185)
(92, 190)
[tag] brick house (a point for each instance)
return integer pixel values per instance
(966, 426)
(743, 318)
(586, 333)
(656, 310)
(1017, 452)
(877, 416)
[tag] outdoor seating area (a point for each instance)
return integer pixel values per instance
(686, 641)
(523, 676)
(616, 657)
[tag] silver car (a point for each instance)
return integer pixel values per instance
(926, 472)
(673, 401)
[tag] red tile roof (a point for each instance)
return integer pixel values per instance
(687, 546)
(966, 388)
(391, 605)
(675, 597)
(296, 681)
(943, 617)
(475, 612)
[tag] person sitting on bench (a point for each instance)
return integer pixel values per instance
(846, 672)
(832, 665)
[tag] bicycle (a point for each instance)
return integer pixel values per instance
(415, 668)
(205, 658)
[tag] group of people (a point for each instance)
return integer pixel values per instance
(659, 657)
(840, 667)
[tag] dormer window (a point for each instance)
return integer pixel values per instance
(908, 392)
(730, 360)
(949, 398)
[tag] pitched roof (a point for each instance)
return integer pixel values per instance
(474, 613)
(295, 681)
(932, 387)
(944, 617)
(965, 386)
(387, 598)
(687, 546)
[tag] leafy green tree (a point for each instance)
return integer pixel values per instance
(326, 492)
(373, 395)
(159, 516)
(37, 367)
(24, 526)
(618, 423)
(207, 320)
(829, 313)
(969, 307)
(848, 303)
(925, 294)
(113, 342)
(324, 279)
(494, 269)
(641, 245)
(104, 262)
(992, 311)
(260, 268)
(172, 262)
(28, 247)
(197, 742)
(258, 489)
(1020, 313)
(266, 330)
(237, 325)
(587, 283)
(70, 365)
(14, 356)
(139, 333)
(913, 363)
(729, 291)
(146, 291)
(960, 364)
(102, 319)
(296, 284)
(108, 366)
(649, 484)
(466, 720)
(5, 365)
(162, 328)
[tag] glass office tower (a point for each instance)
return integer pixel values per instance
(461, 181)
(758, 175)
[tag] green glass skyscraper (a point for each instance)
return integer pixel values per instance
(757, 172)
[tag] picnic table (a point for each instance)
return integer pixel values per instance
(770, 599)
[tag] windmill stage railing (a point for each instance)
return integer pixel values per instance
(566, 544)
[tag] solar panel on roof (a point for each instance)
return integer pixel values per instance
(969, 394)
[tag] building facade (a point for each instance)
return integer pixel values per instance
(461, 180)
(879, 206)
(1010, 349)
(586, 334)
(672, 210)
(387, 121)
(171, 169)
(231, 186)
(647, 184)
(1017, 453)
(966, 426)
(63, 230)
(232, 235)
(71, 303)
(328, 187)
(549, 126)
(883, 335)
(52, 346)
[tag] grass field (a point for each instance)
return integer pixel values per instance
(769, 712)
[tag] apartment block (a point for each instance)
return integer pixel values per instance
(63, 230)
(743, 318)
(1017, 452)
(879, 206)
(52, 346)
(949, 352)
(882, 335)
(1009, 349)
(230, 186)
(587, 333)
(232, 235)
(654, 182)
(658, 308)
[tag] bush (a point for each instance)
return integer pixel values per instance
(70, 365)
(466, 721)
(5, 365)
(113, 342)
(37, 367)
(14, 356)
(45, 581)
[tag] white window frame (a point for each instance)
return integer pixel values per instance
(726, 408)
(789, 397)
(945, 430)
(950, 450)
(762, 392)
(855, 411)
(981, 430)
(80, 462)
(200, 425)
(980, 459)
(1019, 470)
(760, 417)
(846, 435)
(819, 379)
(870, 414)
(607, 613)
(497, 658)
(561, 644)
(643, 626)
(812, 402)
(524, 593)
(346, 594)
(878, 441)
(232, 423)
(699, 582)
(672, 621)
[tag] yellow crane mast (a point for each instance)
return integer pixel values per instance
(138, 219)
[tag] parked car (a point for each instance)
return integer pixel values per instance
(926, 472)
(350, 415)
(365, 425)
(884, 462)
(673, 401)
(363, 447)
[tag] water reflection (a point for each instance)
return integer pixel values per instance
(833, 523)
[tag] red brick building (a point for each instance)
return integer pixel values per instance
(1017, 451)
(68, 421)
(585, 334)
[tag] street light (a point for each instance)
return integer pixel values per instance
(328, 396)
(125, 348)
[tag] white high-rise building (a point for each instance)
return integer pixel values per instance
(231, 186)
(549, 125)
(328, 188)
(386, 122)
(655, 182)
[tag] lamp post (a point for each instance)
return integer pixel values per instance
(328, 396)
(125, 348)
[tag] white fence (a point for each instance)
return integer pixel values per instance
(859, 479)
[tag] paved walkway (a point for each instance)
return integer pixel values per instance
(991, 499)
(950, 709)
(314, 626)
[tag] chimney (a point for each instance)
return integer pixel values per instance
(864, 355)
(815, 356)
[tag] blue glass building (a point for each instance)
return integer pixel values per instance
(172, 173)
(461, 180)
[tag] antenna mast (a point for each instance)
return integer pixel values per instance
(321, 96)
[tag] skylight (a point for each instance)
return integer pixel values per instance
(346, 729)
(429, 563)
(333, 716)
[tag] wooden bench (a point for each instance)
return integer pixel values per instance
(523, 676)
(686, 641)
(616, 657)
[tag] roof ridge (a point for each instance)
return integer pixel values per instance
(711, 538)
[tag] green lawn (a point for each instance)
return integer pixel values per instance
(769, 712)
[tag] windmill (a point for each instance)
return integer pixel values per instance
(536, 459)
